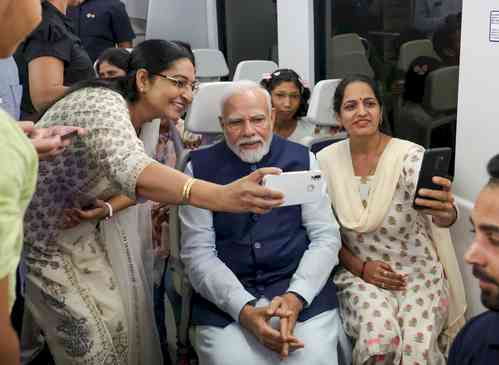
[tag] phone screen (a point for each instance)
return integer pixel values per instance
(69, 135)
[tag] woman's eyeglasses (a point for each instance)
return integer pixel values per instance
(181, 83)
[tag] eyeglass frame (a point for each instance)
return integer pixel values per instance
(256, 121)
(180, 83)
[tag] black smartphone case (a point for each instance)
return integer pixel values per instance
(436, 162)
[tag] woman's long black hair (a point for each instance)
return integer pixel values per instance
(118, 57)
(153, 55)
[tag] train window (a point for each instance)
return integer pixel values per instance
(400, 43)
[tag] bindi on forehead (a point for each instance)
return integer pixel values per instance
(360, 99)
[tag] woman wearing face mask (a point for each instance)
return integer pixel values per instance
(401, 296)
(51, 59)
(73, 290)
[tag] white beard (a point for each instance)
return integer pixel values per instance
(250, 156)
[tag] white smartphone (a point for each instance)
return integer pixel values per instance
(298, 187)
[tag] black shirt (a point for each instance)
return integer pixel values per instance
(53, 38)
(101, 24)
(478, 342)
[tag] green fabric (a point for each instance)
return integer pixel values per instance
(18, 172)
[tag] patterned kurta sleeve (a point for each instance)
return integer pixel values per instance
(111, 143)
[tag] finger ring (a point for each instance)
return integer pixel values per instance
(383, 285)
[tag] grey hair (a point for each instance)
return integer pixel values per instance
(241, 87)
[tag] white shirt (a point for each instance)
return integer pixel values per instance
(304, 128)
(211, 278)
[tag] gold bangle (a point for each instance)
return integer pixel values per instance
(186, 191)
(184, 188)
(189, 189)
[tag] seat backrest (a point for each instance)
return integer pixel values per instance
(441, 88)
(253, 70)
(210, 64)
(202, 114)
(315, 144)
(346, 43)
(320, 106)
(346, 64)
(409, 51)
(440, 100)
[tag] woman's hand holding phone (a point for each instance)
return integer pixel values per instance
(50, 141)
(439, 203)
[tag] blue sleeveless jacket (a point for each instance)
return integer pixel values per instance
(263, 251)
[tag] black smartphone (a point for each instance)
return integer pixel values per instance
(69, 135)
(436, 162)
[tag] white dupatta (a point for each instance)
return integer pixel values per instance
(336, 164)
(128, 240)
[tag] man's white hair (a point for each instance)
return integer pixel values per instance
(240, 88)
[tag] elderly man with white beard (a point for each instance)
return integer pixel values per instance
(262, 283)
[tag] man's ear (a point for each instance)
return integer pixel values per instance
(142, 80)
(221, 121)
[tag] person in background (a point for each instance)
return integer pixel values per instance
(11, 90)
(447, 41)
(413, 118)
(478, 341)
(192, 140)
(393, 286)
(113, 62)
(290, 97)
(51, 59)
(102, 24)
(431, 14)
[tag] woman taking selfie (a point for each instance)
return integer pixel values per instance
(71, 288)
(400, 290)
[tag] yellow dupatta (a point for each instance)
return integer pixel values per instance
(336, 164)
